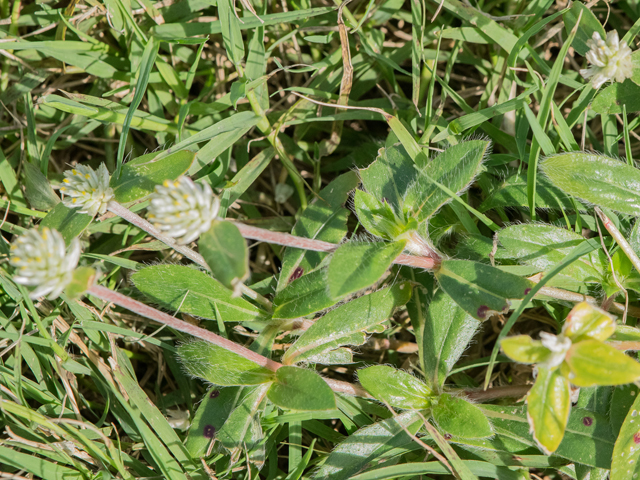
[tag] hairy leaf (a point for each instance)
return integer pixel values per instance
(395, 387)
(597, 179)
(194, 292)
(220, 366)
(457, 417)
(301, 389)
(480, 289)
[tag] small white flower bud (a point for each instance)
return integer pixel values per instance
(610, 60)
(43, 261)
(558, 345)
(87, 189)
(183, 209)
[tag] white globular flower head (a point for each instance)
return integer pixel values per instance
(558, 345)
(610, 60)
(87, 189)
(42, 260)
(183, 209)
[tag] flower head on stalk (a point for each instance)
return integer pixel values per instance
(42, 260)
(610, 60)
(183, 209)
(87, 189)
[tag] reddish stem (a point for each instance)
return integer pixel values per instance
(288, 240)
(149, 312)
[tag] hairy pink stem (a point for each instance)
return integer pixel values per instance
(288, 240)
(149, 312)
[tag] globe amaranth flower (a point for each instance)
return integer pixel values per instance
(610, 60)
(183, 209)
(42, 260)
(87, 189)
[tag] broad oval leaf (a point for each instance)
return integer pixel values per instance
(457, 417)
(626, 453)
(301, 389)
(191, 291)
(395, 387)
(445, 332)
(586, 321)
(513, 193)
(587, 439)
(544, 246)
(548, 407)
(348, 324)
(524, 349)
(362, 448)
(324, 219)
(212, 413)
(139, 177)
(225, 251)
(305, 295)
(37, 188)
(597, 179)
(219, 366)
(480, 289)
(67, 221)
(610, 99)
(242, 431)
(592, 362)
(455, 168)
(355, 266)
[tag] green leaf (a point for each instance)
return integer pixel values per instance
(455, 168)
(588, 322)
(524, 349)
(513, 193)
(459, 418)
(37, 189)
(625, 463)
(611, 99)
(67, 221)
(591, 362)
(388, 178)
(362, 448)
(225, 251)
(549, 403)
(348, 324)
(242, 431)
(191, 291)
(212, 413)
(376, 217)
(445, 334)
(140, 176)
(395, 387)
(544, 246)
(324, 219)
(303, 296)
(597, 179)
(301, 389)
(231, 33)
(480, 289)
(622, 397)
(219, 366)
(355, 266)
(144, 70)
(588, 24)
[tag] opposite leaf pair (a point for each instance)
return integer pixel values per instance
(455, 416)
(578, 356)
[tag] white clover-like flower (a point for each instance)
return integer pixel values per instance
(558, 345)
(43, 261)
(183, 209)
(87, 189)
(610, 60)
